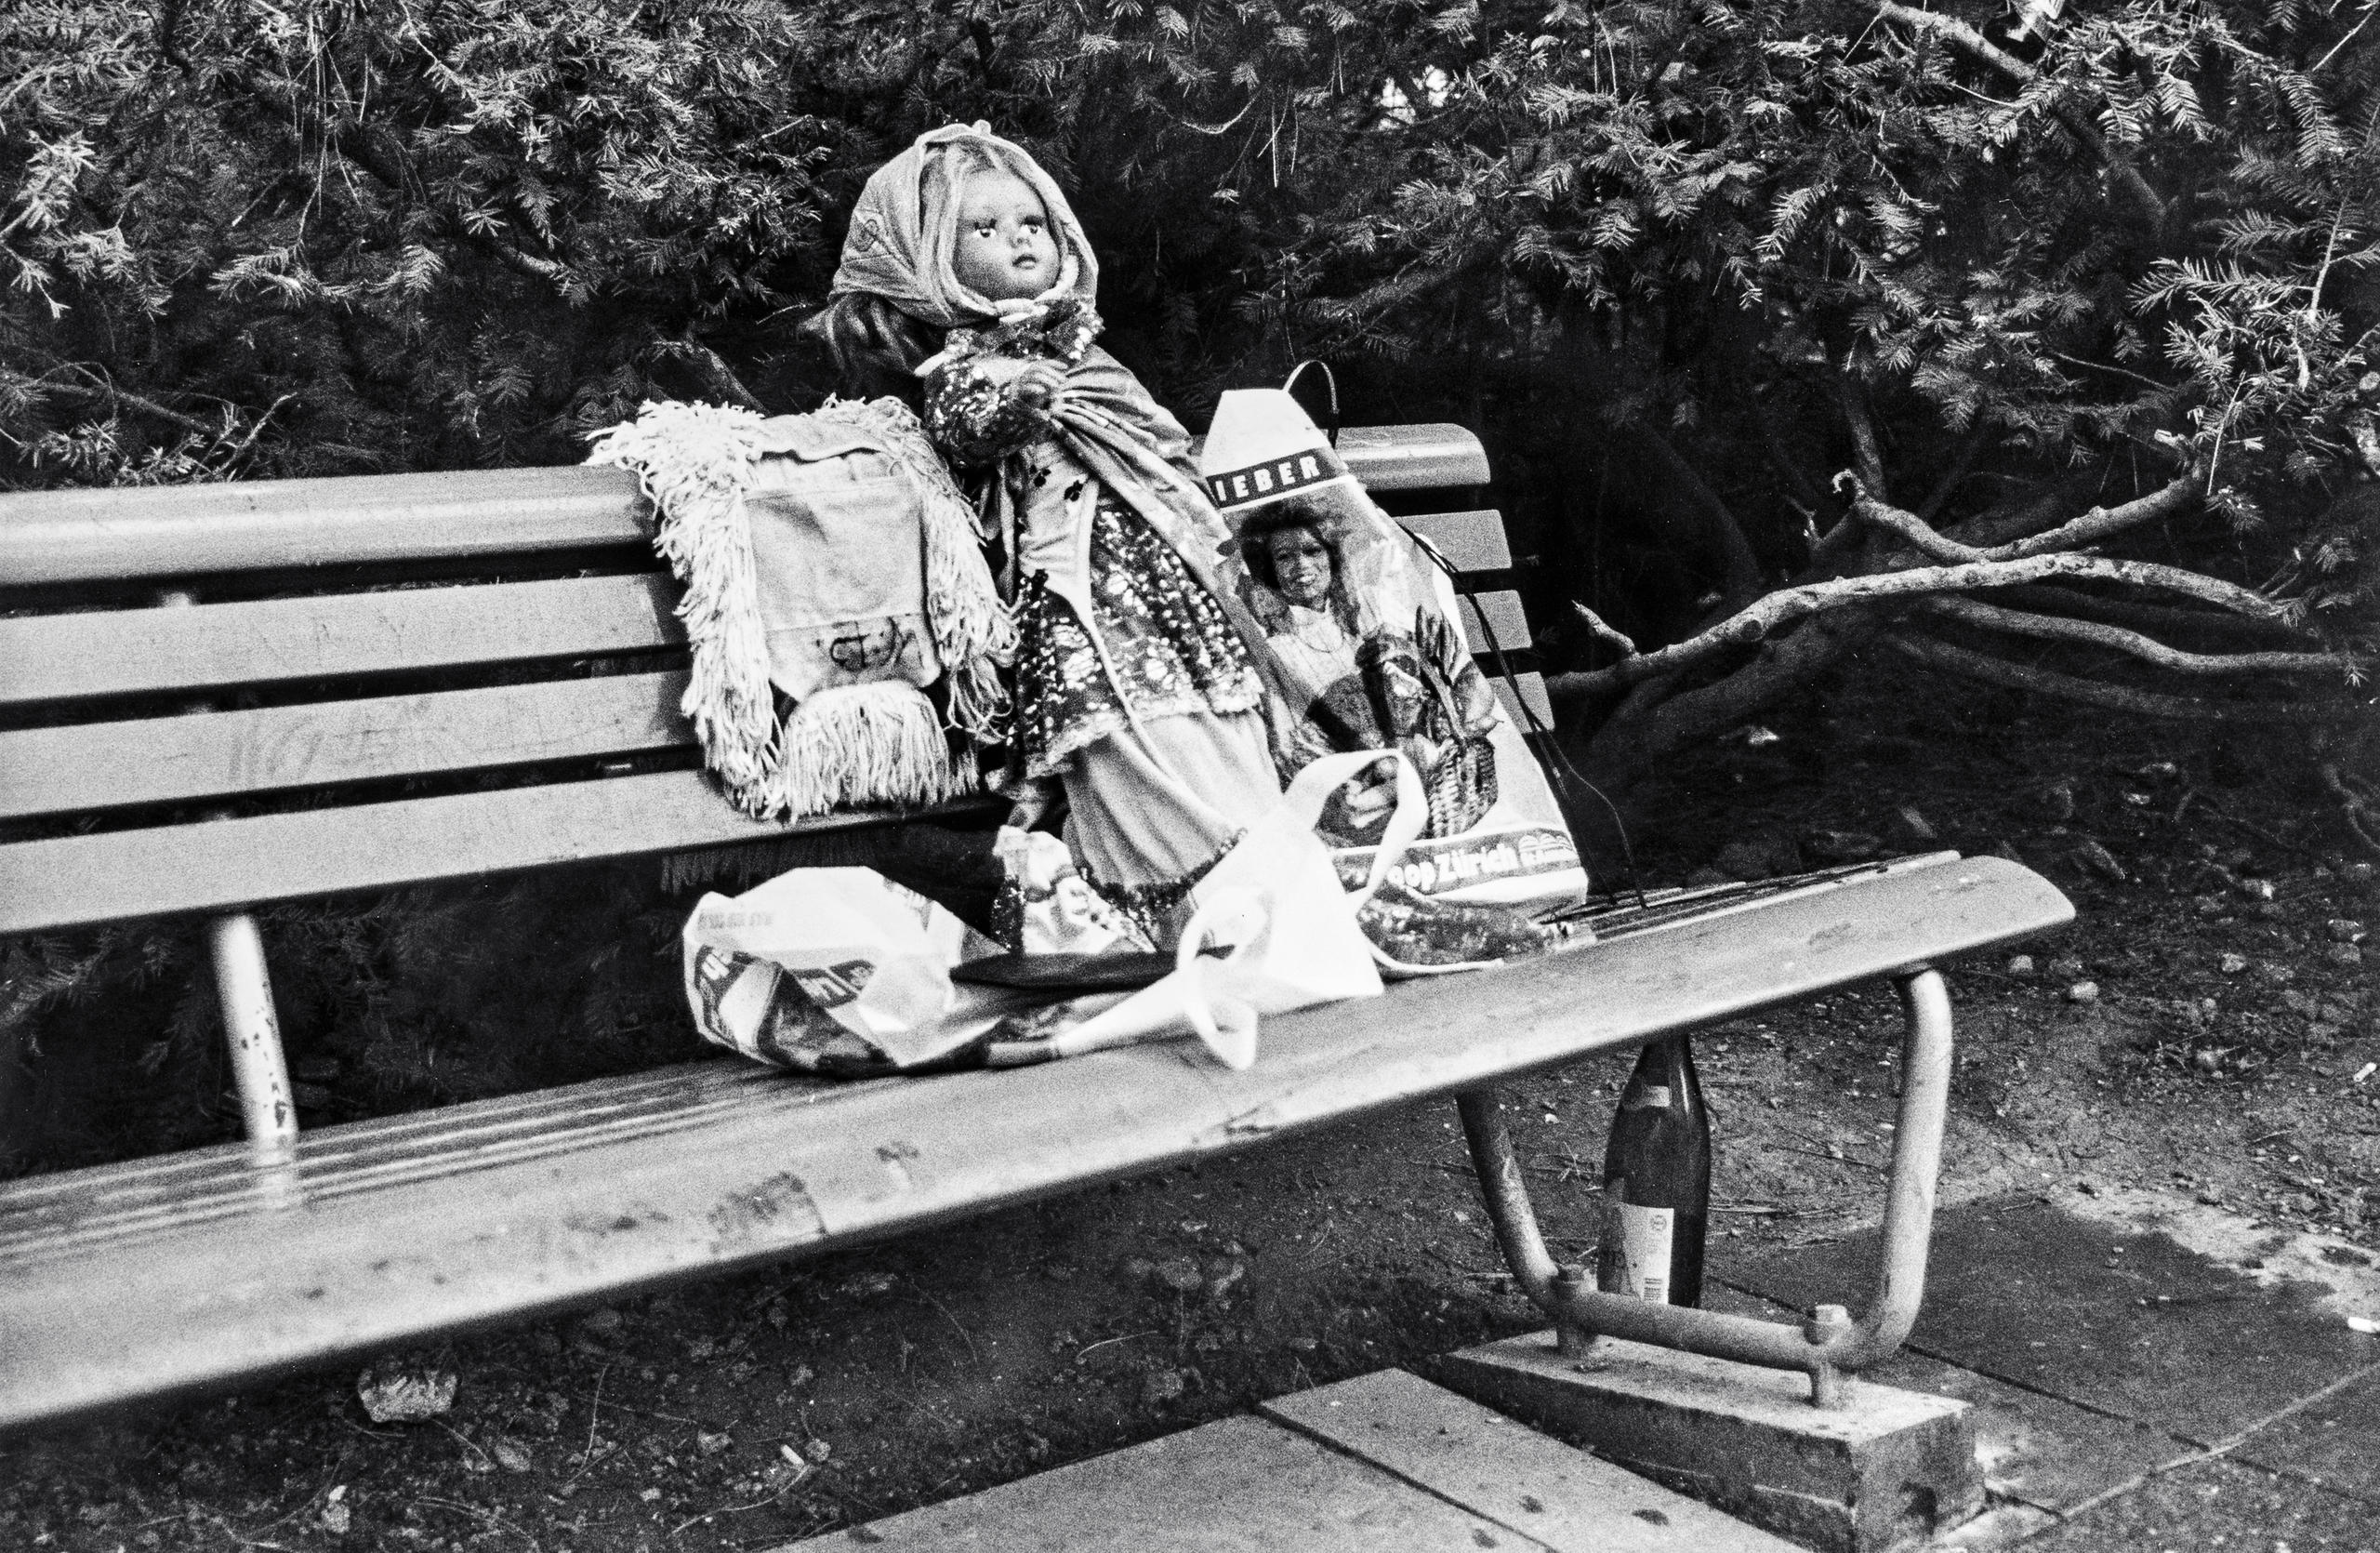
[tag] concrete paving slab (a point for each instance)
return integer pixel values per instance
(1487, 1464)
(2108, 1311)
(1242, 1485)
(2333, 1441)
(2036, 1451)
(2214, 1507)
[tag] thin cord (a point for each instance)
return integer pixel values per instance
(1543, 736)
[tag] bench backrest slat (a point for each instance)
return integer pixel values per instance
(108, 875)
(213, 646)
(1525, 697)
(230, 754)
(1507, 623)
(161, 531)
(1472, 541)
(414, 723)
(61, 536)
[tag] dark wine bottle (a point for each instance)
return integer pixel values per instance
(1656, 1181)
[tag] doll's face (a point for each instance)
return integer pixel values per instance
(1006, 250)
(1301, 562)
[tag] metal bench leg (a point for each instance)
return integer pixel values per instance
(1827, 1344)
(259, 1071)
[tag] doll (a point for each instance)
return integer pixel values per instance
(1140, 683)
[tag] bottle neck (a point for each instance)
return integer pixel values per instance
(1664, 1078)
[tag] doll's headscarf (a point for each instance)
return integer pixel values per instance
(906, 228)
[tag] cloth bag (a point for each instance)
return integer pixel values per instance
(1368, 644)
(829, 562)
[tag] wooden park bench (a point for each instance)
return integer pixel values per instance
(530, 603)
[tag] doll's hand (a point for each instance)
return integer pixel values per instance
(1032, 801)
(1038, 384)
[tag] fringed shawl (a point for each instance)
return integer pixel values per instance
(846, 744)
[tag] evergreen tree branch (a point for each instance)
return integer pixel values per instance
(108, 393)
(2053, 628)
(1972, 665)
(1964, 38)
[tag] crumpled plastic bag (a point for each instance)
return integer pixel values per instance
(837, 971)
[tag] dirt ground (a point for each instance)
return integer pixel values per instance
(2205, 1027)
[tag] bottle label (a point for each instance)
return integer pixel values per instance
(1635, 1251)
(1645, 1097)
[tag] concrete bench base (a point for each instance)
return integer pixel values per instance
(1886, 1470)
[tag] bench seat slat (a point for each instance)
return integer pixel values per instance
(108, 765)
(87, 536)
(50, 658)
(216, 865)
(376, 1236)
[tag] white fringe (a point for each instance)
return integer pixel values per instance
(867, 744)
(693, 462)
(885, 746)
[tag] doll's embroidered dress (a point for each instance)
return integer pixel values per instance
(1155, 643)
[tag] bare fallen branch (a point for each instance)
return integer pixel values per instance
(1967, 40)
(1969, 447)
(1761, 617)
(2361, 817)
(2367, 438)
(1865, 447)
(2146, 703)
(2171, 499)
(1780, 458)
(2050, 598)
(717, 378)
(2010, 522)
(1604, 631)
(1987, 617)
(1703, 519)
(2100, 522)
